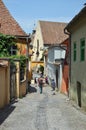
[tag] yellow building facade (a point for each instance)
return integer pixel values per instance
(4, 83)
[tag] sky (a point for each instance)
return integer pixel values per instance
(28, 12)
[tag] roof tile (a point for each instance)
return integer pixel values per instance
(8, 23)
(53, 32)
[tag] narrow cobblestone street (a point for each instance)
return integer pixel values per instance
(43, 112)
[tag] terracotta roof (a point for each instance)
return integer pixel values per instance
(53, 32)
(8, 23)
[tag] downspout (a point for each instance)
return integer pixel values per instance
(27, 67)
(27, 54)
(68, 33)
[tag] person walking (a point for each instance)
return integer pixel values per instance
(40, 81)
(46, 79)
(53, 86)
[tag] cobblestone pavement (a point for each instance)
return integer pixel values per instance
(43, 112)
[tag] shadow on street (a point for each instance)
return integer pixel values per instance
(4, 113)
(32, 89)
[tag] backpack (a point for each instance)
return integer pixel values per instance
(40, 81)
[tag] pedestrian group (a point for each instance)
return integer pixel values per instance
(41, 81)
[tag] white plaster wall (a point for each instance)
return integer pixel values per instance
(38, 36)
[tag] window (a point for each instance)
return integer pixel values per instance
(37, 44)
(82, 49)
(13, 50)
(37, 53)
(74, 51)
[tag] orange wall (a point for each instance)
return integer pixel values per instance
(32, 65)
(35, 63)
(65, 78)
(22, 48)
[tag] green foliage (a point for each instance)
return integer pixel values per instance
(23, 61)
(6, 41)
(21, 58)
(41, 69)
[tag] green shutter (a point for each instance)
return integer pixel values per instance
(82, 49)
(74, 51)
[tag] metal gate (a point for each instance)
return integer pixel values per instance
(12, 82)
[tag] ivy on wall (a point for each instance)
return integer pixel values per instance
(6, 42)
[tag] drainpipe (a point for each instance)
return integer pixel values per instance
(27, 67)
(68, 33)
(27, 54)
